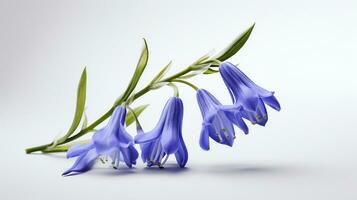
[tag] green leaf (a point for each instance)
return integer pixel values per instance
(57, 149)
(161, 73)
(130, 117)
(85, 121)
(210, 71)
(137, 74)
(236, 45)
(64, 148)
(81, 100)
(201, 60)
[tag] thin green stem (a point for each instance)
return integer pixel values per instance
(175, 88)
(54, 151)
(187, 83)
(138, 125)
(78, 135)
(57, 149)
(183, 72)
(143, 91)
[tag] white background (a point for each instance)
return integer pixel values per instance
(303, 50)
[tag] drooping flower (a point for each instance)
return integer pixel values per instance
(112, 141)
(218, 120)
(165, 138)
(247, 95)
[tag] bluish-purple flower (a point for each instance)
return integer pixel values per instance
(247, 95)
(112, 141)
(165, 138)
(218, 120)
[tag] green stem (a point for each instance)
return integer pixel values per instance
(183, 72)
(56, 149)
(187, 83)
(38, 148)
(138, 125)
(175, 88)
(143, 91)
(79, 134)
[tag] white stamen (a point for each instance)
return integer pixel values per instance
(153, 153)
(158, 153)
(219, 137)
(165, 159)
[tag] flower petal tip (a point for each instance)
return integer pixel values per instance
(68, 173)
(206, 148)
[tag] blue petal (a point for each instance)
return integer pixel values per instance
(102, 141)
(215, 136)
(181, 154)
(224, 131)
(160, 153)
(204, 136)
(127, 156)
(124, 138)
(169, 140)
(259, 116)
(261, 113)
(272, 102)
(83, 163)
(225, 74)
(235, 73)
(240, 123)
(206, 101)
(77, 150)
(241, 93)
(133, 154)
(248, 98)
(172, 127)
(108, 136)
(116, 120)
(147, 137)
(233, 113)
(146, 149)
(156, 132)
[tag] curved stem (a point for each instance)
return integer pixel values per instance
(183, 72)
(138, 125)
(173, 78)
(79, 134)
(106, 115)
(187, 83)
(175, 88)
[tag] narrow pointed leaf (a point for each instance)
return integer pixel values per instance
(85, 121)
(64, 148)
(236, 45)
(161, 73)
(81, 100)
(138, 72)
(202, 59)
(130, 118)
(210, 71)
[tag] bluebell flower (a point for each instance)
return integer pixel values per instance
(165, 138)
(247, 95)
(218, 120)
(112, 141)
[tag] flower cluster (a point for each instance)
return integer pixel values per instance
(112, 141)
(249, 101)
(115, 143)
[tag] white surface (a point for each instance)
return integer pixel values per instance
(304, 50)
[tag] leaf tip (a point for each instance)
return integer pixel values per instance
(145, 43)
(250, 29)
(84, 72)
